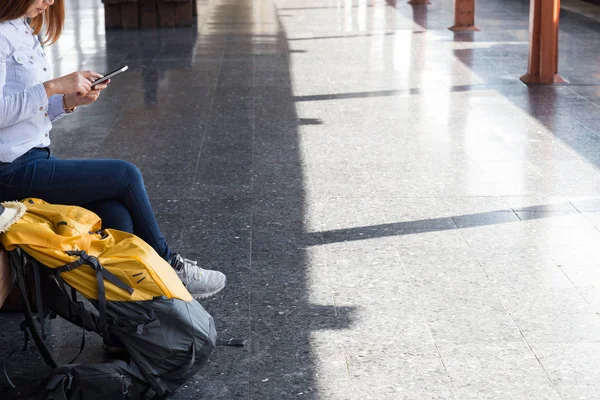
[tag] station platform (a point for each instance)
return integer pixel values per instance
(398, 215)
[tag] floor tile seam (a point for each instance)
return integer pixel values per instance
(423, 318)
(543, 368)
(531, 350)
(346, 123)
(595, 133)
(253, 113)
(110, 130)
(533, 229)
(250, 300)
(577, 155)
(510, 314)
(345, 352)
(450, 380)
(577, 287)
(309, 184)
(199, 157)
(252, 205)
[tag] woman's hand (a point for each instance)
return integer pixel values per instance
(77, 82)
(75, 100)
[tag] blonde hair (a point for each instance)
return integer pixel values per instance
(52, 19)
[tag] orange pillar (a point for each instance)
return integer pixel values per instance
(543, 43)
(464, 16)
(415, 2)
(419, 16)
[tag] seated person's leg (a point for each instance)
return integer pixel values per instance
(83, 182)
(113, 213)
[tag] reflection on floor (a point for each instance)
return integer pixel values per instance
(398, 215)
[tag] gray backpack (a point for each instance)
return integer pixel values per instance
(166, 340)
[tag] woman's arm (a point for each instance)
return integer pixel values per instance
(44, 97)
(20, 106)
(55, 107)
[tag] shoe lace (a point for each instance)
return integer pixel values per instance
(191, 269)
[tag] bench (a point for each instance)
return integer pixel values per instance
(148, 14)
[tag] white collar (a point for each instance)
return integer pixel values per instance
(21, 24)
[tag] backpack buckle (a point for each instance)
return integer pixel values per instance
(150, 394)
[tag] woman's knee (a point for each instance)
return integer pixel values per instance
(130, 174)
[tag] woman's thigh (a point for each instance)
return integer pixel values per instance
(113, 213)
(85, 182)
(75, 182)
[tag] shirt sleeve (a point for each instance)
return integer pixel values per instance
(55, 107)
(20, 106)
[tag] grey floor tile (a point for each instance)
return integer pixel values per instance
(553, 219)
(582, 275)
(472, 325)
(514, 277)
(556, 327)
(571, 367)
(574, 254)
(411, 377)
(543, 300)
(496, 371)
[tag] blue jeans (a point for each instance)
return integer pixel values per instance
(113, 189)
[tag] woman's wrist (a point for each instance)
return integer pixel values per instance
(49, 87)
(68, 105)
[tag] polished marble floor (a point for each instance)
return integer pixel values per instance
(398, 215)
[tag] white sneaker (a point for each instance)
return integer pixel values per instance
(201, 283)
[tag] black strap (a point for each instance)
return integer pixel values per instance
(101, 304)
(74, 306)
(70, 266)
(101, 275)
(25, 329)
(150, 394)
(38, 297)
(5, 363)
(49, 384)
(35, 334)
(85, 259)
(81, 346)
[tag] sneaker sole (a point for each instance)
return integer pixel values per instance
(209, 294)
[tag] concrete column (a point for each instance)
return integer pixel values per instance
(543, 43)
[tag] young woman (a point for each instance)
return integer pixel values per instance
(29, 101)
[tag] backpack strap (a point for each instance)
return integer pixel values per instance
(18, 261)
(101, 275)
(85, 259)
(38, 298)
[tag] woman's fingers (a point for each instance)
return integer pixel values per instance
(93, 95)
(83, 85)
(91, 75)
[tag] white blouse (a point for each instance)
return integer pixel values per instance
(26, 113)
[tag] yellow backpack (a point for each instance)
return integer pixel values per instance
(59, 235)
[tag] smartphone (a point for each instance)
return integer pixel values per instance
(110, 75)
